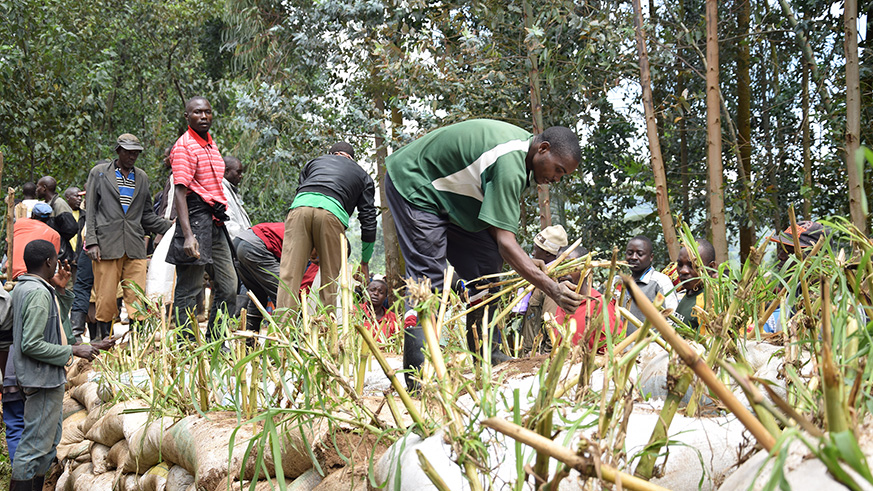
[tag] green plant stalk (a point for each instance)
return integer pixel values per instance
(585, 466)
(362, 370)
(431, 473)
(392, 376)
(807, 304)
(395, 411)
(202, 384)
(692, 359)
(765, 411)
(836, 413)
(682, 377)
(542, 411)
(519, 456)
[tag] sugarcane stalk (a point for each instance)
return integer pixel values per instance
(693, 360)
(431, 473)
(795, 235)
(201, 365)
(791, 412)
(392, 376)
(585, 466)
(542, 410)
(346, 307)
(681, 376)
(836, 414)
(770, 310)
(765, 411)
(395, 411)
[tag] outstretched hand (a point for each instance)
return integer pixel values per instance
(85, 351)
(62, 276)
(565, 297)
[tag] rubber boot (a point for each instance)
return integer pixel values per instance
(413, 356)
(474, 339)
(77, 323)
(38, 482)
(103, 329)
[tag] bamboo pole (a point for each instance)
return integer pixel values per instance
(693, 360)
(585, 466)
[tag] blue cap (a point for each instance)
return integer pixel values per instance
(41, 210)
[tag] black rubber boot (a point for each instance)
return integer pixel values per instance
(103, 329)
(21, 485)
(38, 482)
(474, 339)
(413, 357)
(77, 323)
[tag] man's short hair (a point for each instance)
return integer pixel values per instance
(342, 147)
(644, 239)
(579, 251)
(36, 252)
(231, 160)
(28, 190)
(706, 251)
(563, 141)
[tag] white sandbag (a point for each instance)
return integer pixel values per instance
(71, 406)
(179, 479)
(93, 416)
(70, 432)
(81, 473)
(100, 458)
(86, 394)
(114, 426)
(129, 482)
(118, 455)
(80, 451)
(145, 444)
(161, 274)
(155, 479)
(61, 485)
(99, 482)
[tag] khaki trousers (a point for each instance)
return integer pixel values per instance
(107, 275)
(307, 228)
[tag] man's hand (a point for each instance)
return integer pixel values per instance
(62, 277)
(540, 264)
(85, 351)
(192, 247)
(104, 344)
(365, 270)
(565, 297)
(94, 252)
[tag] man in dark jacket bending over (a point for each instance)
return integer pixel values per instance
(331, 187)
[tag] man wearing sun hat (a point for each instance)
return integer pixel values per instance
(120, 214)
(808, 234)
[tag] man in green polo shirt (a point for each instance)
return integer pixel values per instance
(454, 195)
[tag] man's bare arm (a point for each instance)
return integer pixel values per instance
(513, 254)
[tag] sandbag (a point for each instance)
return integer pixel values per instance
(93, 417)
(265, 485)
(100, 458)
(201, 446)
(61, 485)
(80, 367)
(118, 455)
(110, 428)
(70, 432)
(80, 474)
(179, 479)
(145, 444)
(79, 451)
(100, 482)
(71, 406)
(86, 394)
(128, 482)
(156, 478)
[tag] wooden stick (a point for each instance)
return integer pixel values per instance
(585, 466)
(693, 360)
(10, 231)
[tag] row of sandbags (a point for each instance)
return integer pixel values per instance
(125, 447)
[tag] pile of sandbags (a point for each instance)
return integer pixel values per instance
(124, 446)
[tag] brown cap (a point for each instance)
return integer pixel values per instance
(128, 142)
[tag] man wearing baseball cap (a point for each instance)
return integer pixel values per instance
(120, 214)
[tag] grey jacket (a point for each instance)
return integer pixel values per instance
(118, 233)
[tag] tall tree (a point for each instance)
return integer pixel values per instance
(744, 127)
(663, 200)
(853, 115)
(536, 108)
(713, 136)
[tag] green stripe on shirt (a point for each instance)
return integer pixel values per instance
(318, 200)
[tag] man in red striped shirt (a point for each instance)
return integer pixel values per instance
(200, 242)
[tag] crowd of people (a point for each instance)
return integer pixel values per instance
(454, 195)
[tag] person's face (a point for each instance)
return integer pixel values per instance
(41, 190)
(638, 256)
(233, 173)
(313, 257)
(543, 255)
(377, 292)
(73, 198)
(687, 271)
(166, 159)
(52, 264)
(549, 167)
(126, 158)
(783, 253)
(199, 115)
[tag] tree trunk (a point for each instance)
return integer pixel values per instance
(853, 116)
(807, 152)
(744, 128)
(536, 110)
(713, 135)
(670, 237)
(393, 259)
(775, 142)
